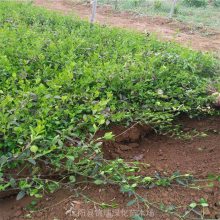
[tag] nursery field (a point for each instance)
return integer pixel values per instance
(104, 123)
(199, 13)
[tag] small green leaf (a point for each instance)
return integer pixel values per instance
(193, 205)
(70, 157)
(203, 202)
(38, 196)
(95, 128)
(102, 121)
(52, 188)
(98, 182)
(34, 149)
(108, 136)
(147, 179)
(212, 177)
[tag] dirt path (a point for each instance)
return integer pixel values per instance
(201, 39)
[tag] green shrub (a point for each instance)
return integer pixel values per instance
(196, 3)
(61, 80)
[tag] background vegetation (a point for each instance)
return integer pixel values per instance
(200, 13)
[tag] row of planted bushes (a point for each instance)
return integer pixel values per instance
(61, 80)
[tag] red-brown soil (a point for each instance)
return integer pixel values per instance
(170, 154)
(199, 156)
(201, 39)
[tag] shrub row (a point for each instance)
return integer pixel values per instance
(61, 80)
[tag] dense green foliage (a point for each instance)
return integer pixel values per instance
(62, 80)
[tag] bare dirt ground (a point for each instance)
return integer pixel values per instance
(200, 39)
(165, 155)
